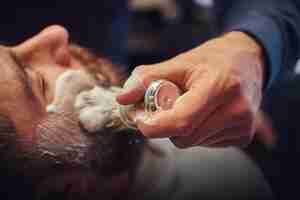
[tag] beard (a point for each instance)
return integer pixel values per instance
(85, 162)
(64, 161)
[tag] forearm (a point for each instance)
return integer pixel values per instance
(273, 24)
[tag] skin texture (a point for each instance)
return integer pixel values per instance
(222, 83)
(47, 154)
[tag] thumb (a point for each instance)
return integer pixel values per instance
(133, 90)
(136, 85)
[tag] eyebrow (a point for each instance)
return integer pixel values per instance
(19, 68)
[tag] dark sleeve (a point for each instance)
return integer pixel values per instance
(275, 24)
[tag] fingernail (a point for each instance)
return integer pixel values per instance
(132, 82)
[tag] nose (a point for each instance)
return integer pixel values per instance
(49, 46)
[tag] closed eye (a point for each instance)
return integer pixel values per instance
(21, 74)
(43, 85)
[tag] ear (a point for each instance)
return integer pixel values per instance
(49, 46)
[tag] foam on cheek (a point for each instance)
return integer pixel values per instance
(96, 107)
(67, 86)
(76, 91)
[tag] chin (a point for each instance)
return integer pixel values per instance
(65, 162)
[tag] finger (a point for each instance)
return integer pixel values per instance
(241, 134)
(236, 141)
(188, 112)
(232, 112)
(162, 125)
(222, 138)
(188, 141)
(135, 87)
(240, 128)
(133, 90)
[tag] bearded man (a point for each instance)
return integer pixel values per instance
(48, 155)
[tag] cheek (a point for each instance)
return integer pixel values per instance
(12, 93)
(25, 115)
(60, 137)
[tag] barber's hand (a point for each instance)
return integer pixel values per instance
(222, 83)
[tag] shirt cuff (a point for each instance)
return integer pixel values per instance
(266, 32)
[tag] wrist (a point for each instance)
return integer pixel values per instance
(245, 42)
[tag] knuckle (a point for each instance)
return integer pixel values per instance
(140, 70)
(235, 83)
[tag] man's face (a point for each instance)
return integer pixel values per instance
(51, 149)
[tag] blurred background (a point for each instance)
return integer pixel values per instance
(138, 32)
(160, 29)
(130, 32)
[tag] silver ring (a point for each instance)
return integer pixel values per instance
(150, 94)
(150, 103)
